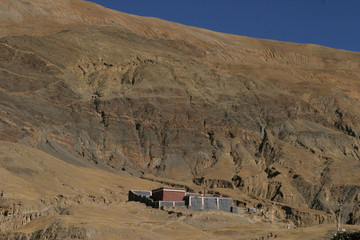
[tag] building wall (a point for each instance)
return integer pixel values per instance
(157, 195)
(168, 195)
(173, 196)
(160, 204)
(141, 196)
(142, 192)
(225, 204)
(194, 203)
(234, 209)
(198, 203)
(176, 198)
(210, 203)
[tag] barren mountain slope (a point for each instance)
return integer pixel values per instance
(262, 121)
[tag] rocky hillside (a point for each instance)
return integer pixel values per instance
(266, 122)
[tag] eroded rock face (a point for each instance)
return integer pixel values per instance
(14, 214)
(54, 231)
(277, 121)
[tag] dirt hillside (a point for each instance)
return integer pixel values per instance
(94, 102)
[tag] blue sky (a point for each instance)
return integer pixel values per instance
(331, 23)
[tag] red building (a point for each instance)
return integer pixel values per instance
(168, 194)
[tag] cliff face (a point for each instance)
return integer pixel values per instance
(272, 121)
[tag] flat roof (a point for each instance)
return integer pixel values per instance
(189, 196)
(169, 189)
